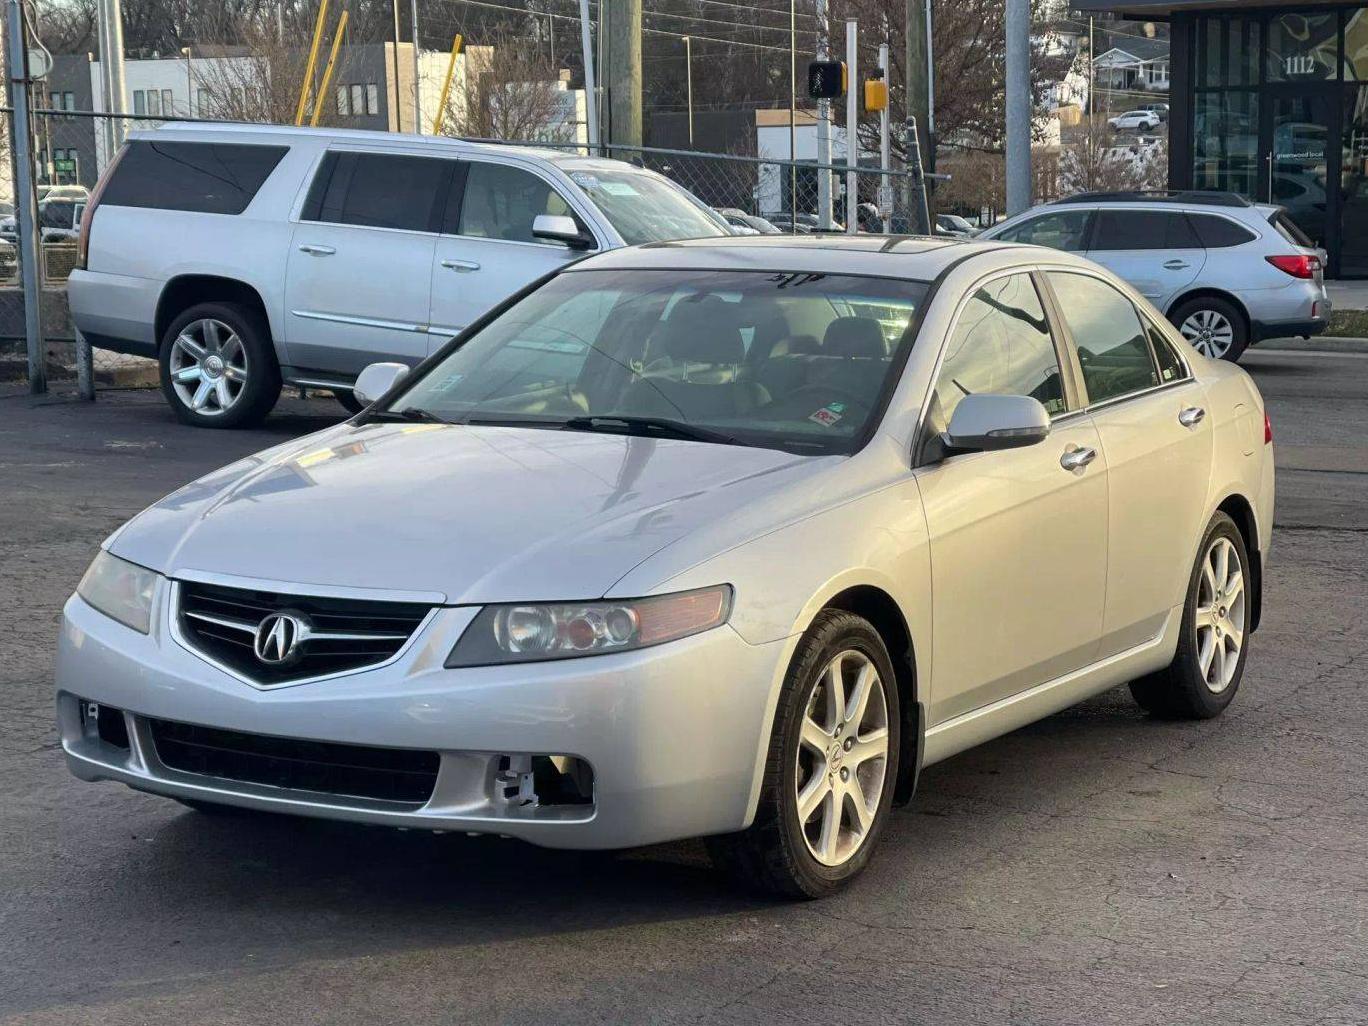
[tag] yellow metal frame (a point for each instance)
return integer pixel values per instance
(305, 87)
(440, 116)
(328, 70)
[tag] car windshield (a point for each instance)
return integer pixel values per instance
(644, 208)
(788, 360)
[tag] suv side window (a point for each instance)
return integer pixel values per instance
(1112, 350)
(501, 202)
(379, 190)
(1143, 229)
(1064, 229)
(1000, 345)
(1220, 232)
(204, 178)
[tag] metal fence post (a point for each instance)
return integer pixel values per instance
(25, 198)
(85, 367)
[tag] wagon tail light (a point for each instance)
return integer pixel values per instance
(1299, 266)
(1268, 430)
(88, 218)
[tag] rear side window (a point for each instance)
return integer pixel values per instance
(1220, 232)
(1170, 365)
(380, 190)
(1289, 229)
(1112, 351)
(204, 178)
(1142, 229)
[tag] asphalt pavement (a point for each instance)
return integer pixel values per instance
(1097, 867)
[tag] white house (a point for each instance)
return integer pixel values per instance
(1139, 64)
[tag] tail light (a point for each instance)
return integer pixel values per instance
(1298, 265)
(1268, 429)
(88, 218)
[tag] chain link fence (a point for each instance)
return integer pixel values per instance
(70, 147)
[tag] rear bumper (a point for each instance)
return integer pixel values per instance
(1304, 328)
(115, 311)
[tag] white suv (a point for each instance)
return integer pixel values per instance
(247, 257)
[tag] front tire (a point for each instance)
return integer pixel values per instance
(1213, 326)
(831, 769)
(1214, 639)
(218, 366)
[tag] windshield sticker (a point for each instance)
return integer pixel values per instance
(828, 415)
(585, 180)
(617, 189)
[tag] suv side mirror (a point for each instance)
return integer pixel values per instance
(376, 380)
(560, 228)
(982, 423)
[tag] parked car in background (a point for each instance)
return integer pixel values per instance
(244, 257)
(953, 224)
(1227, 272)
(59, 219)
(1134, 121)
(71, 192)
(723, 539)
(1159, 110)
(754, 224)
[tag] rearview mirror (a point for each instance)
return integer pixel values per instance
(376, 380)
(984, 422)
(560, 228)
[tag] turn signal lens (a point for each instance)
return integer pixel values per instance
(1299, 265)
(563, 630)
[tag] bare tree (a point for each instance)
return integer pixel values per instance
(512, 91)
(1095, 159)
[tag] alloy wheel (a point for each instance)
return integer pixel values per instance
(1220, 615)
(208, 367)
(842, 758)
(1210, 333)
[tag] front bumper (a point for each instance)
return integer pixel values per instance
(675, 735)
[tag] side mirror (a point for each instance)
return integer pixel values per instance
(560, 228)
(984, 422)
(376, 380)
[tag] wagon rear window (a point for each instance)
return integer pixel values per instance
(206, 178)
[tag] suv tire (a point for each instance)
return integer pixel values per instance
(1213, 326)
(826, 755)
(218, 366)
(1214, 639)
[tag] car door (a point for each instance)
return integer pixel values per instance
(1156, 251)
(487, 251)
(1018, 538)
(359, 274)
(1150, 414)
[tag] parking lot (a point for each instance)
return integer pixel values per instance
(1097, 867)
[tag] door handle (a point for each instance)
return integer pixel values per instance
(1192, 416)
(313, 249)
(1077, 457)
(1175, 265)
(462, 266)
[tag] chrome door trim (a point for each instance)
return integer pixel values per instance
(364, 322)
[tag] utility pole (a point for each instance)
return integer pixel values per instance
(25, 197)
(590, 97)
(109, 16)
(1018, 106)
(688, 78)
(622, 70)
(793, 110)
(417, 67)
(885, 150)
(852, 204)
(398, 112)
(823, 129)
(918, 75)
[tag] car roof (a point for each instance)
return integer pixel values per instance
(901, 256)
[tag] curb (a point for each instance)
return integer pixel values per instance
(1319, 344)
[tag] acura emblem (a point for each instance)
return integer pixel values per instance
(278, 637)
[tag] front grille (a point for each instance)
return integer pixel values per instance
(324, 767)
(334, 635)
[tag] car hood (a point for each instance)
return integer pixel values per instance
(475, 514)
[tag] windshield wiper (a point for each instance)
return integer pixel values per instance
(649, 425)
(413, 414)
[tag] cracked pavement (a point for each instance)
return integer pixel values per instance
(1097, 867)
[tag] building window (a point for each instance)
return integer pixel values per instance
(203, 101)
(372, 98)
(1302, 47)
(358, 99)
(343, 103)
(1225, 141)
(153, 103)
(168, 104)
(139, 102)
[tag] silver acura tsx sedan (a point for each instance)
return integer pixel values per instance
(725, 539)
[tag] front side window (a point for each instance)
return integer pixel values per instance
(1066, 230)
(644, 208)
(501, 202)
(783, 360)
(379, 190)
(1112, 350)
(1000, 345)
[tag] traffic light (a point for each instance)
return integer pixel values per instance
(826, 79)
(875, 98)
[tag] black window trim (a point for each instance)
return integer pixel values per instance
(327, 163)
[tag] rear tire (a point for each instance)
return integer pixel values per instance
(1214, 639)
(218, 366)
(834, 753)
(1215, 327)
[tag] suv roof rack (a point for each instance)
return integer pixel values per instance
(1213, 199)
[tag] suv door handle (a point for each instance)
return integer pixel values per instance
(1077, 457)
(1175, 265)
(463, 266)
(313, 249)
(1192, 416)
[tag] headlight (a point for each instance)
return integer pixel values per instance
(564, 630)
(120, 589)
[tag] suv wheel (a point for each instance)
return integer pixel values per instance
(831, 769)
(218, 367)
(1213, 326)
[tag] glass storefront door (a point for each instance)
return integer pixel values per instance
(1353, 190)
(1301, 133)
